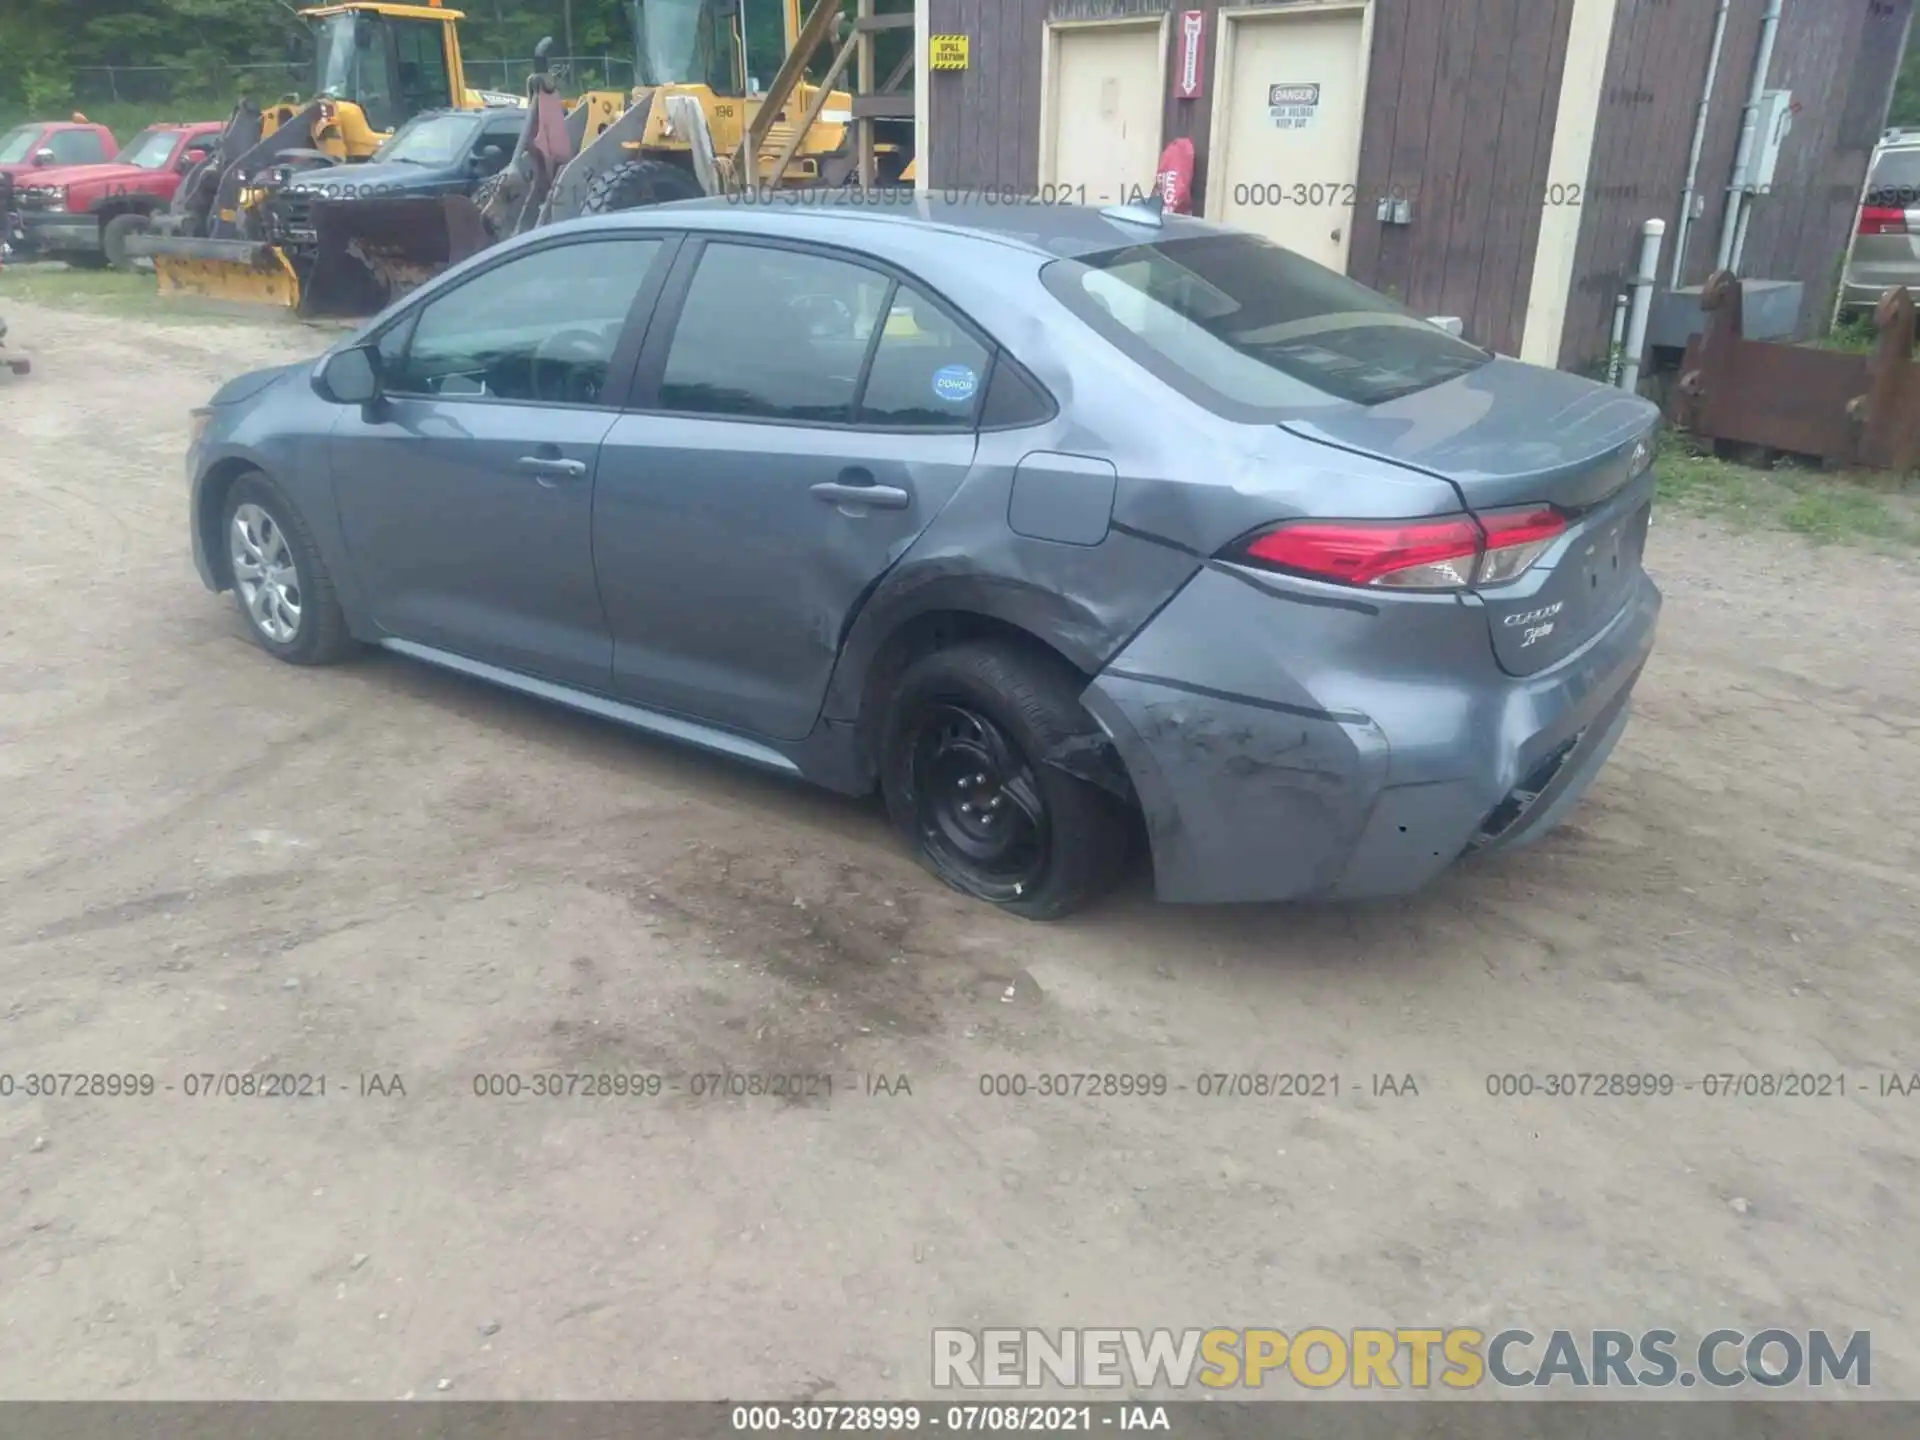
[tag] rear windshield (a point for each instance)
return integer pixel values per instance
(1895, 181)
(1256, 332)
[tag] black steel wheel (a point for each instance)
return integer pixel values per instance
(979, 809)
(970, 752)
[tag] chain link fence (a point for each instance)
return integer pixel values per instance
(161, 85)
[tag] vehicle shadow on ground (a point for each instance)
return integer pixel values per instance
(1380, 937)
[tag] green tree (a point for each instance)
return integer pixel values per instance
(1906, 90)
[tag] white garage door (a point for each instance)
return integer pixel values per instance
(1290, 150)
(1105, 114)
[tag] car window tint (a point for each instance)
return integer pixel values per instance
(422, 63)
(541, 326)
(774, 334)
(927, 371)
(1255, 331)
(76, 147)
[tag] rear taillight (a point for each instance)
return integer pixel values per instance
(1448, 553)
(1879, 220)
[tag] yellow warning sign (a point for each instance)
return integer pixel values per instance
(948, 52)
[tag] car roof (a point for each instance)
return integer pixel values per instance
(1046, 229)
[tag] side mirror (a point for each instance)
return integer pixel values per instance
(349, 377)
(44, 156)
(189, 160)
(1449, 323)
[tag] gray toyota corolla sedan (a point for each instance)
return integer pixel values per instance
(1058, 526)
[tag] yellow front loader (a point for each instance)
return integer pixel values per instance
(698, 123)
(375, 65)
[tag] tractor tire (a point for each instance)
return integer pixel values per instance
(637, 183)
(113, 239)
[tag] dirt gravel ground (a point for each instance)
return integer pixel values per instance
(211, 863)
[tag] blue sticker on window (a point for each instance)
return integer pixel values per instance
(955, 384)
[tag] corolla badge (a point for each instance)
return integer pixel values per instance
(1534, 617)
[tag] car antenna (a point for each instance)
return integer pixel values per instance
(1146, 211)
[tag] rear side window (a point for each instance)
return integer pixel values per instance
(1256, 332)
(926, 372)
(1895, 180)
(776, 334)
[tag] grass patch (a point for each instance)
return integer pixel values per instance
(1853, 334)
(1865, 508)
(113, 292)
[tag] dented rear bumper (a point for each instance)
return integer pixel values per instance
(1290, 741)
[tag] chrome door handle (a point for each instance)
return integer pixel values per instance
(878, 497)
(541, 465)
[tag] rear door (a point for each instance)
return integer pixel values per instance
(800, 416)
(466, 497)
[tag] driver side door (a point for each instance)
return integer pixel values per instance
(466, 494)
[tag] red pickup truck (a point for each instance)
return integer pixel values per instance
(84, 214)
(40, 143)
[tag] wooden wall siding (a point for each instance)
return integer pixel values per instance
(1461, 102)
(984, 121)
(1838, 59)
(1655, 69)
(1722, 141)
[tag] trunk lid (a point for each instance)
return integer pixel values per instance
(1511, 435)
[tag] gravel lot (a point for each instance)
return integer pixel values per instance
(213, 863)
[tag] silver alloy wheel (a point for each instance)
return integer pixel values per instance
(264, 573)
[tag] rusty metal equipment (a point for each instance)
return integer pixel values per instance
(1849, 410)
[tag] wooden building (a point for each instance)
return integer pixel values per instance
(1489, 159)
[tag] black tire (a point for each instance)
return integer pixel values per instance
(81, 259)
(115, 234)
(1029, 705)
(320, 636)
(637, 183)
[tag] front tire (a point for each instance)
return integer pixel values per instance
(114, 237)
(280, 583)
(963, 771)
(637, 183)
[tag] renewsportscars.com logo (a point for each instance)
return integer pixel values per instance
(1456, 1358)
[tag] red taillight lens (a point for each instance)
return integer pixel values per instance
(1357, 552)
(1880, 220)
(1448, 553)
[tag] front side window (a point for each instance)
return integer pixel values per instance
(540, 327)
(353, 61)
(17, 144)
(76, 147)
(149, 150)
(420, 47)
(777, 334)
(1255, 331)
